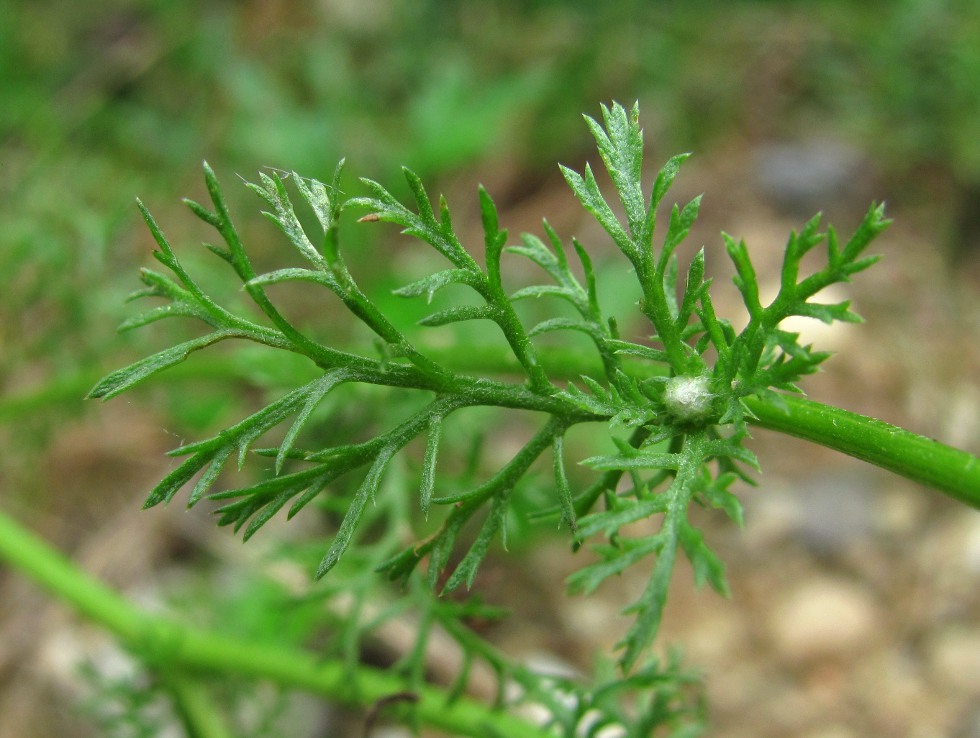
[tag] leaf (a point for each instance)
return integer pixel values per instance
(273, 191)
(615, 560)
(732, 449)
(123, 379)
(174, 310)
(434, 282)
(400, 566)
(589, 403)
(632, 417)
(294, 274)
(665, 178)
(494, 237)
(562, 487)
(650, 607)
(315, 393)
(212, 219)
(638, 461)
(707, 566)
(422, 203)
(168, 486)
(598, 389)
(560, 324)
(348, 526)
(717, 495)
(745, 278)
(590, 285)
(586, 189)
(428, 478)
(246, 431)
(622, 152)
(312, 492)
(161, 286)
(829, 313)
(670, 287)
(459, 314)
(318, 198)
(442, 547)
(871, 227)
(694, 286)
(465, 571)
(629, 511)
(635, 349)
(680, 225)
(210, 475)
(535, 250)
(422, 225)
(268, 512)
(542, 290)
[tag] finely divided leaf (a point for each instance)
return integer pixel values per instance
(428, 477)
(170, 484)
(622, 152)
(636, 461)
(465, 571)
(707, 566)
(273, 191)
(568, 324)
(615, 560)
(428, 286)
(562, 487)
(458, 314)
(586, 189)
(665, 179)
(314, 396)
(123, 379)
(210, 475)
(348, 526)
(295, 274)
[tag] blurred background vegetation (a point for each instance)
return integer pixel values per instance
(791, 107)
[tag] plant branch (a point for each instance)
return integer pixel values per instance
(920, 459)
(166, 645)
(200, 718)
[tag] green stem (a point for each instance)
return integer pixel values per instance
(166, 645)
(193, 705)
(923, 460)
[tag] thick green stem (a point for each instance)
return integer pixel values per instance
(923, 460)
(168, 646)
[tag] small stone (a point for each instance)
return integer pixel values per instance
(954, 659)
(971, 543)
(823, 617)
(801, 177)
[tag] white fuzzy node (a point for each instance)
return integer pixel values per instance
(688, 398)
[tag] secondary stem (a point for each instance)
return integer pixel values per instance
(169, 646)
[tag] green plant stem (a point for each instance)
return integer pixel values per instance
(170, 647)
(923, 460)
(193, 705)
